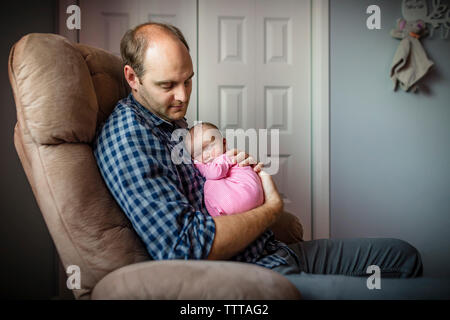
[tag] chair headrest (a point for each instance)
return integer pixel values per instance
(63, 90)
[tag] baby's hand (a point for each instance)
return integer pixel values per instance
(271, 195)
(244, 159)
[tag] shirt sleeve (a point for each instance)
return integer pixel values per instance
(214, 170)
(140, 175)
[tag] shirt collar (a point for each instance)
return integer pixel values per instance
(157, 121)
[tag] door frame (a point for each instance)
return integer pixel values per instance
(320, 125)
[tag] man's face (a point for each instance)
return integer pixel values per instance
(165, 87)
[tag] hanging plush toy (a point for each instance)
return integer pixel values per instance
(410, 62)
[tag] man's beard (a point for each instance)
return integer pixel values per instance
(145, 97)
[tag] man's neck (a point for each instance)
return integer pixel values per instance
(142, 102)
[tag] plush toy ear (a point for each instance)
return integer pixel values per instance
(401, 23)
(420, 24)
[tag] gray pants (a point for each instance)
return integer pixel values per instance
(337, 269)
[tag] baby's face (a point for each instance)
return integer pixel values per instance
(212, 145)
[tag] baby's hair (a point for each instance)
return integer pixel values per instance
(206, 125)
(202, 125)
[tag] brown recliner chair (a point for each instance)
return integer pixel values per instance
(63, 92)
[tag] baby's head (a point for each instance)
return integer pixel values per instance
(205, 142)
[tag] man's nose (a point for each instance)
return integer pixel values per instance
(181, 94)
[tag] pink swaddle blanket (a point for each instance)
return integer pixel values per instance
(230, 189)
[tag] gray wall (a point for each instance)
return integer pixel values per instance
(28, 267)
(390, 151)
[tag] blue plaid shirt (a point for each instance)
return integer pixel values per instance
(163, 200)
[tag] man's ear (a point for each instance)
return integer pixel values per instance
(131, 77)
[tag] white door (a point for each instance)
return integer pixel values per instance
(254, 72)
(104, 22)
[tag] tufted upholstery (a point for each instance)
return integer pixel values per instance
(63, 92)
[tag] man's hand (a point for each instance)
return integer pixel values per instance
(244, 159)
(235, 232)
(271, 195)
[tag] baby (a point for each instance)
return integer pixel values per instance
(228, 189)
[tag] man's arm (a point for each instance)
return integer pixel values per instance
(235, 232)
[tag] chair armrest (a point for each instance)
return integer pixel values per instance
(192, 280)
(288, 228)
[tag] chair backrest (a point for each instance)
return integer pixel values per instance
(63, 91)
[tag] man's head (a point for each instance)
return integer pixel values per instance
(158, 68)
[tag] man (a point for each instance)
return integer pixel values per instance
(164, 201)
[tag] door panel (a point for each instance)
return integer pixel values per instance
(227, 71)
